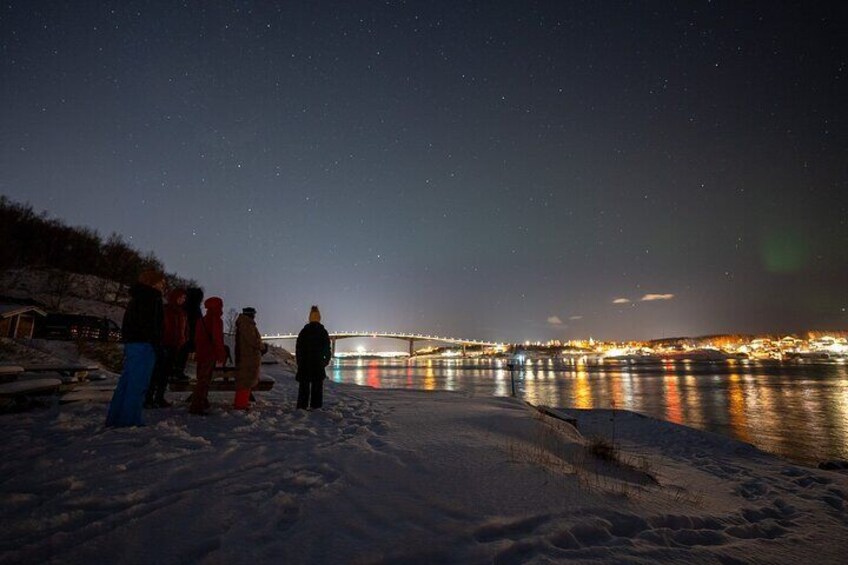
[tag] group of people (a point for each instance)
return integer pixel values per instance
(159, 338)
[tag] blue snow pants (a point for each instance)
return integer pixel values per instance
(128, 400)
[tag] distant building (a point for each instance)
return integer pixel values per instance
(789, 342)
(18, 320)
(77, 326)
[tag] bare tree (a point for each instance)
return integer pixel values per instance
(59, 283)
(119, 263)
(230, 321)
(32, 240)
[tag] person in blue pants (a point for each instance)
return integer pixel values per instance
(141, 333)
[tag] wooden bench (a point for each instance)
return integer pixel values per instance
(92, 392)
(27, 387)
(223, 379)
(87, 395)
(68, 373)
(9, 372)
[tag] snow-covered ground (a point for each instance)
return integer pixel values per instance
(400, 476)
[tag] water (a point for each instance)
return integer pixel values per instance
(796, 410)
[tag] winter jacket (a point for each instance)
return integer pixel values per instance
(175, 321)
(194, 298)
(249, 349)
(313, 352)
(143, 317)
(209, 333)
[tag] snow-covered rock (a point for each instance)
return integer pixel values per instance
(66, 292)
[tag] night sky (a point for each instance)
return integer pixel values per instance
(492, 170)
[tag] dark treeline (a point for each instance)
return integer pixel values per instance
(29, 239)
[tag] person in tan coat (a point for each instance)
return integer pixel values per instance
(249, 351)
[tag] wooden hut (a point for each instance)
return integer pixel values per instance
(18, 320)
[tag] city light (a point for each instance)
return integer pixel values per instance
(813, 347)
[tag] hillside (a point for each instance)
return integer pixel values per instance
(66, 292)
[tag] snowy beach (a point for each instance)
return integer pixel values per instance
(401, 476)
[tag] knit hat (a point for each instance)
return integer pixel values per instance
(250, 311)
(314, 314)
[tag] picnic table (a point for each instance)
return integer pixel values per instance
(223, 379)
(16, 386)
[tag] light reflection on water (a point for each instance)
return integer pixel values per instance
(797, 410)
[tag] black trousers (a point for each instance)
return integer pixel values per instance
(161, 371)
(181, 358)
(310, 393)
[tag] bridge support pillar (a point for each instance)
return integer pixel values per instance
(332, 347)
(411, 347)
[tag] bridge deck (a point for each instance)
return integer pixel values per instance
(392, 335)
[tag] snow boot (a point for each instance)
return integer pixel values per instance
(242, 400)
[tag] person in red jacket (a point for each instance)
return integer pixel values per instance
(175, 321)
(209, 344)
(173, 338)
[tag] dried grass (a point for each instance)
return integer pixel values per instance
(552, 448)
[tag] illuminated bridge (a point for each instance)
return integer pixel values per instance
(410, 338)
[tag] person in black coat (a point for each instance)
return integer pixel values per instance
(313, 353)
(141, 333)
(193, 301)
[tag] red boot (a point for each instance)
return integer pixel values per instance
(242, 399)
